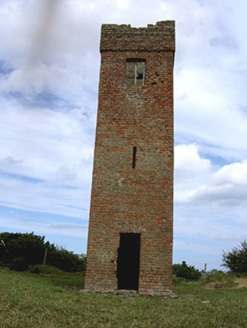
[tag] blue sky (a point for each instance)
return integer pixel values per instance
(49, 72)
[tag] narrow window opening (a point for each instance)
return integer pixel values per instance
(134, 158)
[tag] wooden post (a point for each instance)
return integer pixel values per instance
(45, 256)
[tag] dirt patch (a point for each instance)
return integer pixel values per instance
(241, 282)
(210, 285)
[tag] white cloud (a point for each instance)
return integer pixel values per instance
(68, 226)
(27, 194)
(45, 140)
(210, 205)
(235, 173)
(226, 187)
(189, 164)
(47, 156)
(43, 227)
(203, 105)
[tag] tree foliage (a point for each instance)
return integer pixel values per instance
(20, 250)
(186, 272)
(236, 260)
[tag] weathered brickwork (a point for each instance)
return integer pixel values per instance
(127, 197)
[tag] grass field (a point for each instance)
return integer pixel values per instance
(53, 300)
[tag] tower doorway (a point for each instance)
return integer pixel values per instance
(128, 263)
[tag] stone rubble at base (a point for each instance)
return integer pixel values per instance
(127, 293)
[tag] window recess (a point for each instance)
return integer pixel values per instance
(135, 71)
(134, 158)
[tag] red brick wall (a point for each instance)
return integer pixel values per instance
(124, 199)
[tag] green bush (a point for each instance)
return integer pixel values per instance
(236, 260)
(19, 264)
(19, 250)
(65, 260)
(183, 271)
(26, 245)
(178, 281)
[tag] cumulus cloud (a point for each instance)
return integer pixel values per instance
(226, 187)
(189, 164)
(210, 206)
(235, 173)
(216, 119)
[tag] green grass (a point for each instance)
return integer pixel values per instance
(49, 300)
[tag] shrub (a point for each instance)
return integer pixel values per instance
(236, 260)
(19, 264)
(186, 272)
(26, 245)
(19, 250)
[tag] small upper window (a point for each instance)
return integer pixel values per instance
(135, 71)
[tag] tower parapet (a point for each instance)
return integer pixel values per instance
(158, 37)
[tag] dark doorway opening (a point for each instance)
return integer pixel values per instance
(128, 263)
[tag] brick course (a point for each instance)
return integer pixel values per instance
(140, 199)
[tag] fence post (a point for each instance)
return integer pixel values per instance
(45, 256)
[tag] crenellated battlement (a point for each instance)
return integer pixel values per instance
(158, 37)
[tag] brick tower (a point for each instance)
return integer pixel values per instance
(131, 216)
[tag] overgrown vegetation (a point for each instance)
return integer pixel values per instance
(20, 251)
(236, 260)
(219, 279)
(183, 271)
